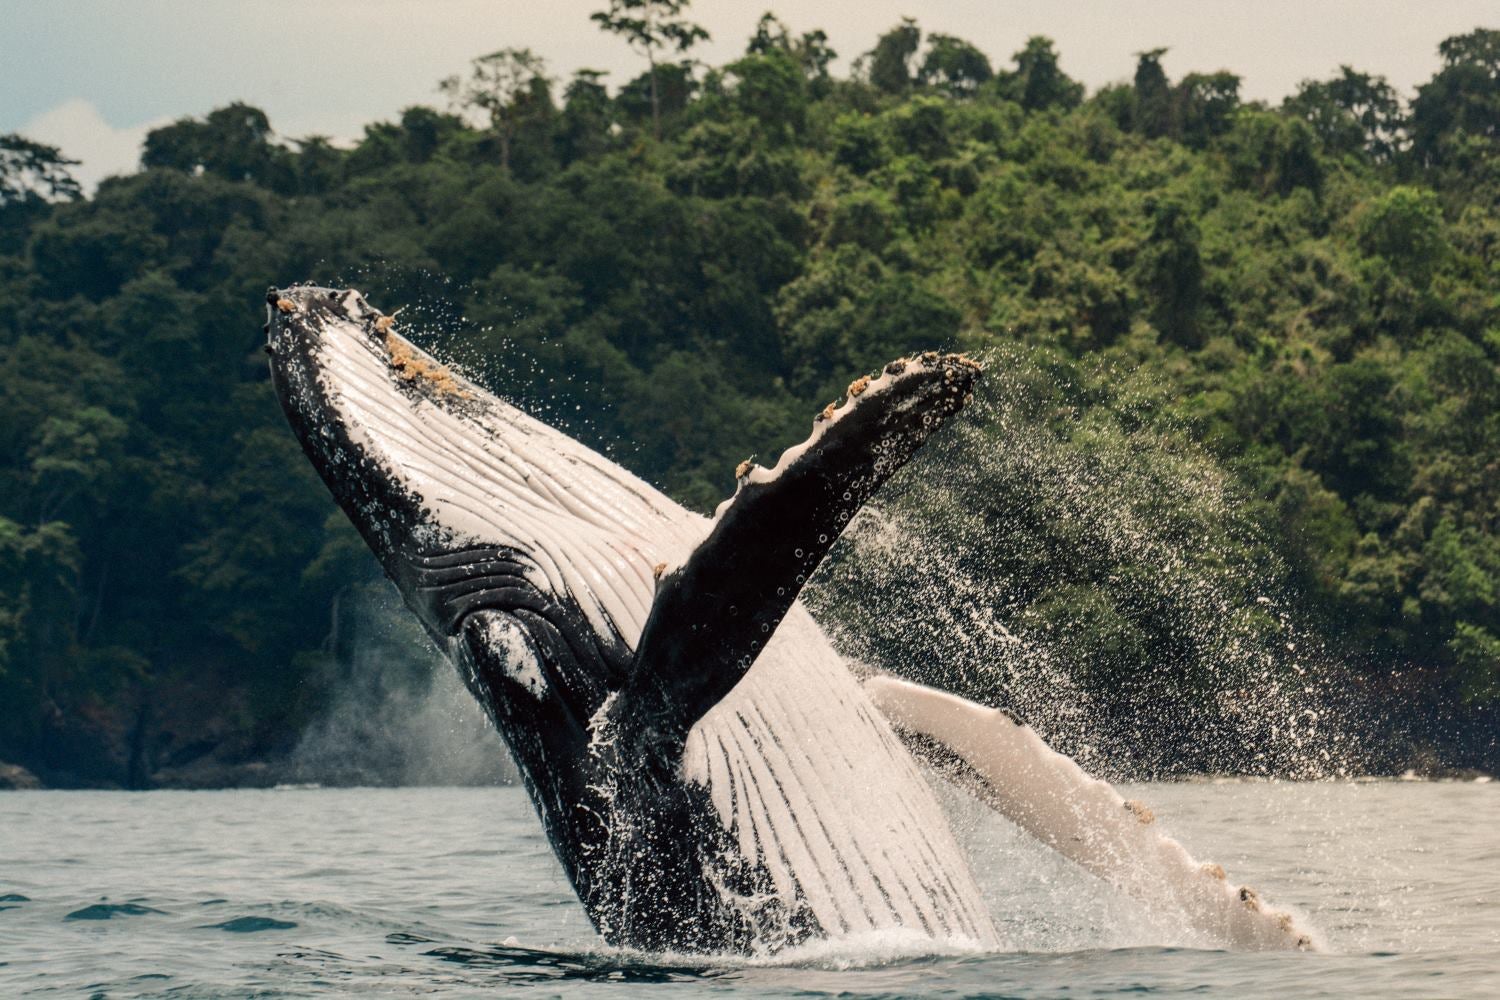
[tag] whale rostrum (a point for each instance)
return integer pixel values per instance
(710, 773)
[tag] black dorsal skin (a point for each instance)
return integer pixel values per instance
(600, 744)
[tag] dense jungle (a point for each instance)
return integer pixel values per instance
(1270, 333)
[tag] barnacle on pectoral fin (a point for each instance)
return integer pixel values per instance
(1141, 810)
(859, 385)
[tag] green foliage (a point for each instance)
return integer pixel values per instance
(1462, 102)
(1038, 82)
(233, 142)
(509, 87)
(1353, 113)
(30, 173)
(810, 52)
(890, 61)
(1314, 304)
(954, 66)
(1152, 113)
(652, 27)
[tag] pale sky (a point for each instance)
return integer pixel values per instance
(92, 76)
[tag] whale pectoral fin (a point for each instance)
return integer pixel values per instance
(712, 616)
(1008, 766)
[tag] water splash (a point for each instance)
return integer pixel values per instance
(1069, 553)
(398, 713)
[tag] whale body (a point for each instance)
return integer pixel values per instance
(710, 773)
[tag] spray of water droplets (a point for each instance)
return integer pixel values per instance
(1066, 552)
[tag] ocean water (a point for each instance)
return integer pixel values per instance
(455, 893)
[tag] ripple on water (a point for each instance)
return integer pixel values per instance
(252, 925)
(108, 911)
(1402, 921)
(535, 965)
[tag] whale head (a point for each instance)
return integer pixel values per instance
(528, 557)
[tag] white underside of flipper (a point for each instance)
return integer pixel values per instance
(1045, 793)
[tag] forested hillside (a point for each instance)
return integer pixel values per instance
(682, 270)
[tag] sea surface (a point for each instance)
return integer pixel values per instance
(454, 893)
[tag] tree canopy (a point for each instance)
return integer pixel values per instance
(1239, 352)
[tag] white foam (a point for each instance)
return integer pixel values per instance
(519, 659)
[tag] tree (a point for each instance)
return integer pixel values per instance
(586, 116)
(955, 66)
(31, 170)
(1354, 112)
(319, 163)
(811, 51)
(1462, 100)
(1271, 152)
(1037, 82)
(72, 459)
(233, 142)
(1153, 96)
(667, 90)
(771, 34)
(890, 60)
(1171, 272)
(507, 86)
(651, 26)
(772, 89)
(1206, 103)
(1404, 226)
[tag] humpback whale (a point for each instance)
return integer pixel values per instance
(711, 774)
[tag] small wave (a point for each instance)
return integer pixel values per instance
(602, 963)
(540, 965)
(108, 911)
(870, 948)
(252, 925)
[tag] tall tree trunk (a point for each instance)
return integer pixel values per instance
(655, 105)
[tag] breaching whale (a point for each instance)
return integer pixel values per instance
(709, 771)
